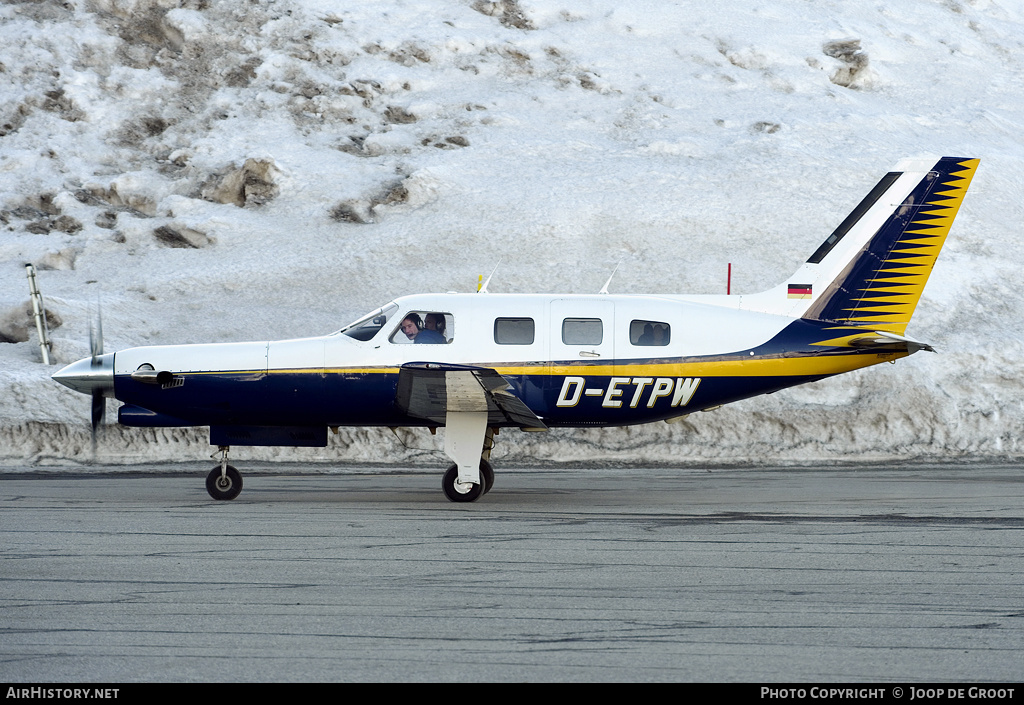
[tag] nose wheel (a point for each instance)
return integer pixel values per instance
(223, 482)
(224, 485)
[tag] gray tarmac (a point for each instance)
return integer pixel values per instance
(908, 574)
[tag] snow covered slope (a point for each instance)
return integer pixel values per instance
(214, 171)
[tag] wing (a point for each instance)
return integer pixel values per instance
(430, 390)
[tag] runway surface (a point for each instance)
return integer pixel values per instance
(868, 574)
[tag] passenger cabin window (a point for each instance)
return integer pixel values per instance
(514, 331)
(425, 327)
(582, 331)
(649, 333)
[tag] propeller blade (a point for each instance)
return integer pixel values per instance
(96, 338)
(99, 411)
(99, 402)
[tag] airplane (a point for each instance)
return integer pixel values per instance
(475, 363)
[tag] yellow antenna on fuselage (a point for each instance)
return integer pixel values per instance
(482, 288)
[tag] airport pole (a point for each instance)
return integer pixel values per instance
(40, 315)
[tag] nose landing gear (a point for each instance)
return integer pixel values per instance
(223, 482)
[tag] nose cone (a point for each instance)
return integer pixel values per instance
(88, 376)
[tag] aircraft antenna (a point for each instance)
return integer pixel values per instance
(483, 289)
(604, 289)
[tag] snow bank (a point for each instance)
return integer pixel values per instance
(212, 172)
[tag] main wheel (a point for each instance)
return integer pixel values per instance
(226, 487)
(460, 491)
(487, 475)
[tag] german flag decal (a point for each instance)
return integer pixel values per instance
(799, 291)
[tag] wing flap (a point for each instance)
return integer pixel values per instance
(429, 391)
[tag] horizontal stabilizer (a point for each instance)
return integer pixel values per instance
(873, 341)
(883, 340)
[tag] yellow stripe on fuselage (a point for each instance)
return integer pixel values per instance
(806, 366)
(809, 366)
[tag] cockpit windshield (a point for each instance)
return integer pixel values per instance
(367, 326)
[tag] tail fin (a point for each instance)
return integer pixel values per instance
(871, 271)
(880, 285)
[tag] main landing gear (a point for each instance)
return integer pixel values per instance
(462, 485)
(467, 491)
(223, 482)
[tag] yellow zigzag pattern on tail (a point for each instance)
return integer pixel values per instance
(888, 300)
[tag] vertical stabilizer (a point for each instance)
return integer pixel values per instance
(880, 287)
(871, 270)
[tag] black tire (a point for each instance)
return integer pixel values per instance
(226, 489)
(456, 491)
(487, 475)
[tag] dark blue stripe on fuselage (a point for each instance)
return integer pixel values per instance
(312, 399)
(367, 398)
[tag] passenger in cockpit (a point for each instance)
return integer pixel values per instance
(435, 322)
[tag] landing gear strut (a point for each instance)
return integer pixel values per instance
(223, 482)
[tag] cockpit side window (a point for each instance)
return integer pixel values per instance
(425, 327)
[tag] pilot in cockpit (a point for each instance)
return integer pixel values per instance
(413, 328)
